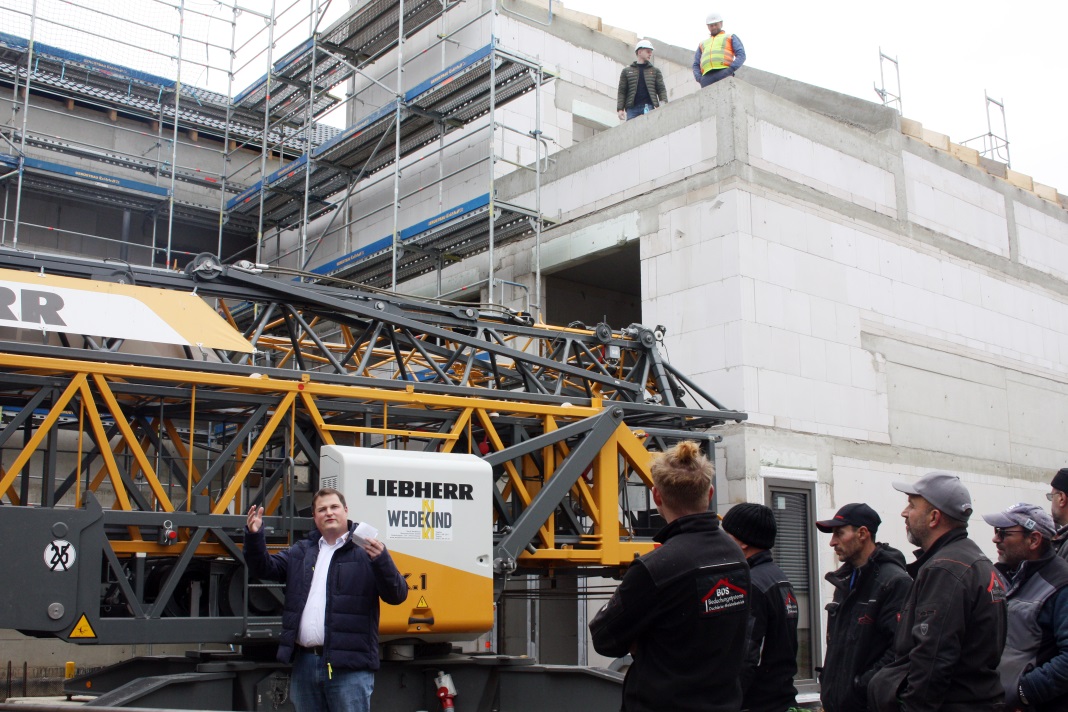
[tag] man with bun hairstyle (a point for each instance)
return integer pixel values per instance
(1058, 509)
(719, 55)
(1034, 664)
(771, 648)
(869, 591)
(952, 627)
(681, 610)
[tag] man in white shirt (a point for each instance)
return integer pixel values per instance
(330, 619)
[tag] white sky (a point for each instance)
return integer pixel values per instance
(949, 52)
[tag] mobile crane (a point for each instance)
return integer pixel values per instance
(145, 409)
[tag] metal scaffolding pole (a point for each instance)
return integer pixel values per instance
(174, 145)
(264, 148)
(25, 115)
(397, 146)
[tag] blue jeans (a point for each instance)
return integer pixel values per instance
(313, 688)
(636, 111)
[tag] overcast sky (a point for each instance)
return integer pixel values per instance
(950, 51)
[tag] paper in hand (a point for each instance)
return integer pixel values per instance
(363, 532)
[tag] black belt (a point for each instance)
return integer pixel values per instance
(314, 650)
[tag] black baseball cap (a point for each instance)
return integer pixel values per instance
(856, 514)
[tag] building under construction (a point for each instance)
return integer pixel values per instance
(865, 299)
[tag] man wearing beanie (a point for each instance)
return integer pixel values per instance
(869, 591)
(1058, 509)
(682, 609)
(952, 628)
(771, 651)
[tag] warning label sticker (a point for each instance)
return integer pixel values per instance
(82, 629)
(432, 521)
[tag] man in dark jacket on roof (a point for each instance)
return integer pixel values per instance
(330, 619)
(641, 85)
(952, 628)
(681, 610)
(771, 645)
(869, 591)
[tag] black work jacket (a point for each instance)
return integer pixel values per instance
(771, 655)
(861, 624)
(682, 612)
(950, 636)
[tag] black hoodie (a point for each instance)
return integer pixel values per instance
(861, 624)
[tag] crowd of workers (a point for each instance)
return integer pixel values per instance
(711, 621)
(950, 632)
(641, 85)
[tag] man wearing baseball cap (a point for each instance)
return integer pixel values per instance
(869, 590)
(952, 627)
(1058, 508)
(1034, 665)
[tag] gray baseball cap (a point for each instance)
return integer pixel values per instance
(1029, 516)
(944, 491)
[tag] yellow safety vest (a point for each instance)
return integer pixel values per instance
(717, 52)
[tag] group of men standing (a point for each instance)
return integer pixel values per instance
(641, 85)
(950, 632)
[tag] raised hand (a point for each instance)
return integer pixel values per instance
(255, 519)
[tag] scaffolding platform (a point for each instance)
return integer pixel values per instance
(448, 237)
(447, 101)
(69, 75)
(357, 39)
(103, 189)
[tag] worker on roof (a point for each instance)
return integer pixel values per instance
(719, 55)
(641, 85)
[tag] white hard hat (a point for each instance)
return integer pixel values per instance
(643, 44)
(713, 18)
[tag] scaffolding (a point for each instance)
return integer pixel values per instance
(246, 173)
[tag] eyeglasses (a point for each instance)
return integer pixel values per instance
(1002, 532)
(1049, 495)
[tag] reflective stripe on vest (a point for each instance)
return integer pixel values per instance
(716, 52)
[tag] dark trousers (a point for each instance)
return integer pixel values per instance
(714, 75)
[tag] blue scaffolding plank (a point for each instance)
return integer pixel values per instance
(452, 235)
(94, 177)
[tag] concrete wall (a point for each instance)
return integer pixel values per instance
(879, 307)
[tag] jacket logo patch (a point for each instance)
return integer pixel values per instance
(995, 589)
(791, 605)
(723, 596)
(867, 620)
(924, 628)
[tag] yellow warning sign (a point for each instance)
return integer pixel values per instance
(422, 603)
(82, 629)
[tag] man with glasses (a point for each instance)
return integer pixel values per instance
(952, 627)
(1058, 507)
(1034, 665)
